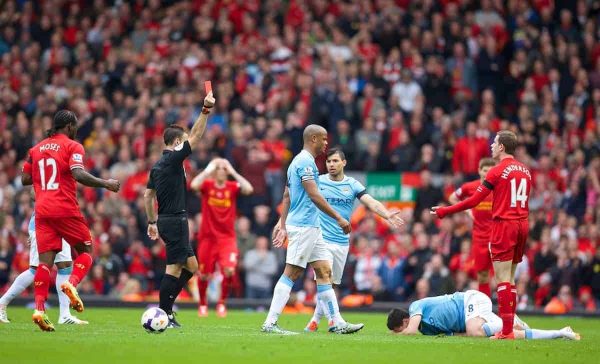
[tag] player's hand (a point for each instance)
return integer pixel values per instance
(228, 166)
(153, 231)
(113, 185)
(280, 236)
(395, 220)
(209, 100)
(433, 210)
(212, 165)
(345, 225)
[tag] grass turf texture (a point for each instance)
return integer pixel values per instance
(116, 336)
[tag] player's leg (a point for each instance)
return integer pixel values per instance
(502, 249)
(325, 293)
(536, 334)
(23, 280)
(227, 257)
(483, 265)
(207, 261)
(20, 284)
(483, 278)
(48, 243)
(64, 264)
(301, 241)
(76, 232)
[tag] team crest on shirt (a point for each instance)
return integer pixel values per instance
(77, 158)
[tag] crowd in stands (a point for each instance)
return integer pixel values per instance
(402, 86)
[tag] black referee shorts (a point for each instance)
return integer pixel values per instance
(174, 231)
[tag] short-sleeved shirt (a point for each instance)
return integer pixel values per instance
(440, 315)
(50, 163)
(340, 195)
(219, 210)
(510, 181)
(482, 213)
(302, 212)
(167, 178)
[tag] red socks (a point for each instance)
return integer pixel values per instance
(202, 286)
(505, 307)
(225, 284)
(81, 267)
(485, 289)
(41, 284)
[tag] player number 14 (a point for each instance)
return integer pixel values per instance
(518, 194)
(51, 183)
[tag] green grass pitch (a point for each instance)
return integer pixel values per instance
(115, 336)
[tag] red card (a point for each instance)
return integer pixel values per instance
(207, 86)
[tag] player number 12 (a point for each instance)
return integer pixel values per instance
(518, 194)
(51, 183)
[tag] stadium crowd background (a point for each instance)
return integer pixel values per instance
(401, 85)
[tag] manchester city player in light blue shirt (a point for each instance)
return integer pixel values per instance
(300, 226)
(341, 191)
(464, 314)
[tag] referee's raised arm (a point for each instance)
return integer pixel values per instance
(200, 123)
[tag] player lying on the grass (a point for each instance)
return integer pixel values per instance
(216, 240)
(463, 313)
(340, 191)
(64, 264)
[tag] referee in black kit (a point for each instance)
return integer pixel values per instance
(167, 184)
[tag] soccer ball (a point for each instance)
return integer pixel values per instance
(155, 320)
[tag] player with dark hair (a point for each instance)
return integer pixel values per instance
(462, 314)
(167, 184)
(341, 191)
(511, 182)
(53, 167)
(216, 239)
(482, 225)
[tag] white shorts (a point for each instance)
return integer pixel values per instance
(34, 258)
(338, 254)
(478, 304)
(305, 245)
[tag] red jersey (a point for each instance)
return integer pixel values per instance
(219, 209)
(50, 163)
(510, 181)
(482, 213)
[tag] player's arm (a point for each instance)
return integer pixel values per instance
(279, 231)
(392, 217)
(413, 325)
(200, 123)
(202, 176)
(310, 186)
(89, 180)
(482, 191)
(149, 203)
(245, 186)
(26, 179)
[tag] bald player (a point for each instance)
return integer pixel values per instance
(300, 224)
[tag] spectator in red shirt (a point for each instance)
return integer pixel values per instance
(467, 153)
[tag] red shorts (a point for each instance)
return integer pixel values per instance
(508, 240)
(481, 255)
(211, 252)
(50, 231)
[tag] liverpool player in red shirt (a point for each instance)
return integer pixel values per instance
(216, 239)
(53, 167)
(482, 225)
(511, 182)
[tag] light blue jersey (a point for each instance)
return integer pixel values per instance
(31, 227)
(441, 314)
(302, 212)
(340, 195)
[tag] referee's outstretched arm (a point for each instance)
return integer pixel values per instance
(200, 123)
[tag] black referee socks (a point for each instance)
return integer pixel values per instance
(169, 289)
